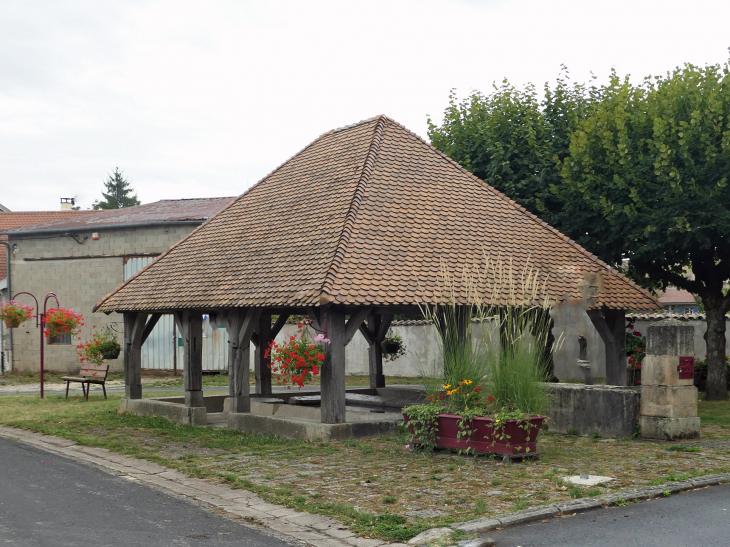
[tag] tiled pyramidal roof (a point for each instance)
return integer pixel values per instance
(362, 216)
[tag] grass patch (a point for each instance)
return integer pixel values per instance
(330, 478)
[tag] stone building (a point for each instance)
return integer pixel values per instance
(83, 257)
(16, 219)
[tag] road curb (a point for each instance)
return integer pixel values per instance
(581, 505)
(292, 526)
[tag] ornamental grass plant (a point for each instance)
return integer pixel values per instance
(501, 373)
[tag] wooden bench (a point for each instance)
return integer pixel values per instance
(87, 376)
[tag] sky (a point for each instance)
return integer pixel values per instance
(204, 98)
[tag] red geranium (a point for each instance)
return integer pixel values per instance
(292, 362)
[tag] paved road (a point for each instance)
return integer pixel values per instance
(698, 518)
(50, 501)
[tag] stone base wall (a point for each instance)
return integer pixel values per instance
(610, 411)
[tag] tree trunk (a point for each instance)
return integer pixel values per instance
(715, 339)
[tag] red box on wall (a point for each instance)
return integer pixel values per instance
(686, 368)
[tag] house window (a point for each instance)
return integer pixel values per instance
(60, 339)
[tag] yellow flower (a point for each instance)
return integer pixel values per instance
(447, 386)
(468, 382)
(452, 391)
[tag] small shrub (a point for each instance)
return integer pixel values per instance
(390, 499)
(620, 502)
(666, 493)
(480, 506)
(573, 431)
(575, 492)
(496, 482)
(593, 492)
(520, 504)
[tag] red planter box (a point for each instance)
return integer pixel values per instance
(483, 439)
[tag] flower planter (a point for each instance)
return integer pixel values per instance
(511, 438)
(11, 323)
(111, 354)
(391, 347)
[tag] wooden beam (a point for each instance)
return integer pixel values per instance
(192, 335)
(262, 372)
(315, 316)
(154, 318)
(385, 321)
(353, 325)
(332, 375)
(367, 333)
(250, 322)
(240, 327)
(133, 354)
(280, 322)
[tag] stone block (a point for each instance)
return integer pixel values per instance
(661, 370)
(307, 429)
(656, 427)
(424, 538)
(669, 401)
(610, 411)
(478, 526)
(670, 337)
(171, 411)
(529, 515)
(578, 506)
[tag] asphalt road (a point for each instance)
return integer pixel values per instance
(698, 518)
(48, 500)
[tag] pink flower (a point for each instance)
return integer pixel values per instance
(321, 338)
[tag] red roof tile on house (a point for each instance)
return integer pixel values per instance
(364, 215)
(676, 296)
(13, 219)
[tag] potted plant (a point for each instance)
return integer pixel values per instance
(14, 313)
(61, 322)
(100, 347)
(393, 346)
(297, 359)
(490, 393)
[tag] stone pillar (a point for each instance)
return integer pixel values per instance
(668, 402)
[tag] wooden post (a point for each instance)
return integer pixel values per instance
(134, 326)
(261, 362)
(374, 333)
(191, 330)
(240, 325)
(332, 375)
(611, 326)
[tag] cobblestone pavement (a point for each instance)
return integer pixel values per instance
(287, 524)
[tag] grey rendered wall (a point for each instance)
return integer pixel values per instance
(79, 283)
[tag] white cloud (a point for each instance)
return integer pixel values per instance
(204, 98)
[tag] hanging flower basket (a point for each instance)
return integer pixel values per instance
(101, 346)
(14, 314)
(62, 322)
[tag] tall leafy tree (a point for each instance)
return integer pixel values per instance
(118, 193)
(654, 161)
(637, 172)
(516, 141)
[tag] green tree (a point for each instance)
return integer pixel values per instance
(514, 141)
(118, 193)
(637, 172)
(654, 160)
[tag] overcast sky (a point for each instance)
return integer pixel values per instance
(203, 99)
